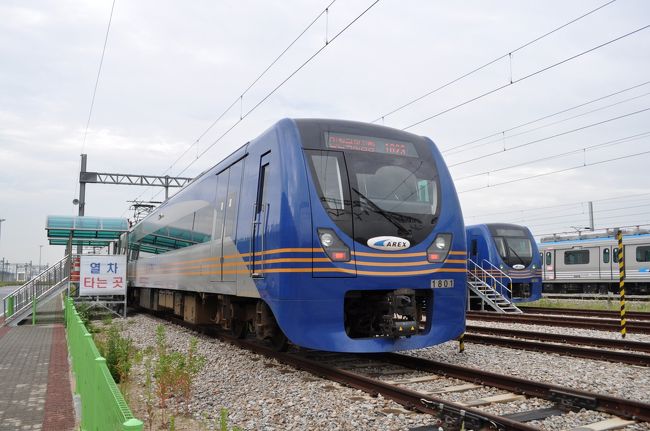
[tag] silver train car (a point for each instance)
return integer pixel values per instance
(589, 264)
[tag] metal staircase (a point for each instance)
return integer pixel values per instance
(23, 302)
(491, 285)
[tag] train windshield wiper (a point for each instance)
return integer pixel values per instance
(513, 250)
(388, 216)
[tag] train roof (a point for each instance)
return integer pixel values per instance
(592, 239)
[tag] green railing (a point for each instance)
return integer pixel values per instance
(102, 404)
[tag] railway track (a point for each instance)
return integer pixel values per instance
(601, 324)
(630, 315)
(523, 341)
(381, 371)
(635, 346)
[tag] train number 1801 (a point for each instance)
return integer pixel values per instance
(443, 283)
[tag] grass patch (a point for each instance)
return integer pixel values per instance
(588, 304)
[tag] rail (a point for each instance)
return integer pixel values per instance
(102, 404)
(44, 283)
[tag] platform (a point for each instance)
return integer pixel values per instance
(35, 387)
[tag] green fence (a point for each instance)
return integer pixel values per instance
(102, 404)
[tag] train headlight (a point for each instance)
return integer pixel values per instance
(439, 249)
(326, 239)
(440, 242)
(334, 247)
(501, 266)
(534, 266)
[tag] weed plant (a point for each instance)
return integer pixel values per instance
(174, 371)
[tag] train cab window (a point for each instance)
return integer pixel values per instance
(576, 257)
(615, 253)
(328, 174)
(548, 258)
(606, 255)
(643, 253)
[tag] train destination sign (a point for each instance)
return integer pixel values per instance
(367, 144)
(102, 275)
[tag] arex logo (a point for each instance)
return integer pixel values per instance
(389, 243)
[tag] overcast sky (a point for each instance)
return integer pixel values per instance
(171, 68)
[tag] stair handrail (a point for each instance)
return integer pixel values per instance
(31, 289)
(502, 275)
(482, 275)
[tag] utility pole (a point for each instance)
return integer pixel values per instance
(40, 249)
(82, 193)
(591, 216)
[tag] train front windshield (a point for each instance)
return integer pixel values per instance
(373, 187)
(513, 244)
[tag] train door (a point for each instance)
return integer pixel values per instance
(549, 267)
(473, 249)
(260, 219)
(615, 269)
(231, 205)
(216, 272)
(606, 271)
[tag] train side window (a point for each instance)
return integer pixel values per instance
(606, 255)
(548, 258)
(576, 257)
(615, 257)
(262, 197)
(643, 253)
(474, 251)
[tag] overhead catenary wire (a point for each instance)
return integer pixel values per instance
(555, 156)
(502, 135)
(536, 141)
(502, 132)
(613, 198)
(92, 99)
(491, 62)
(578, 221)
(239, 98)
(277, 87)
(583, 212)
(530, 75)
(584, 165)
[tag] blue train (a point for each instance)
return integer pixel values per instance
(333, 235)
(509, 253)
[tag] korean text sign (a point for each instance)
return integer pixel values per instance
(102, 275)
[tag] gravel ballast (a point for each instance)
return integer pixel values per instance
(619, 380)
(262, 394)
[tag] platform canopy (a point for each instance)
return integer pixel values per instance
(89, 231)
